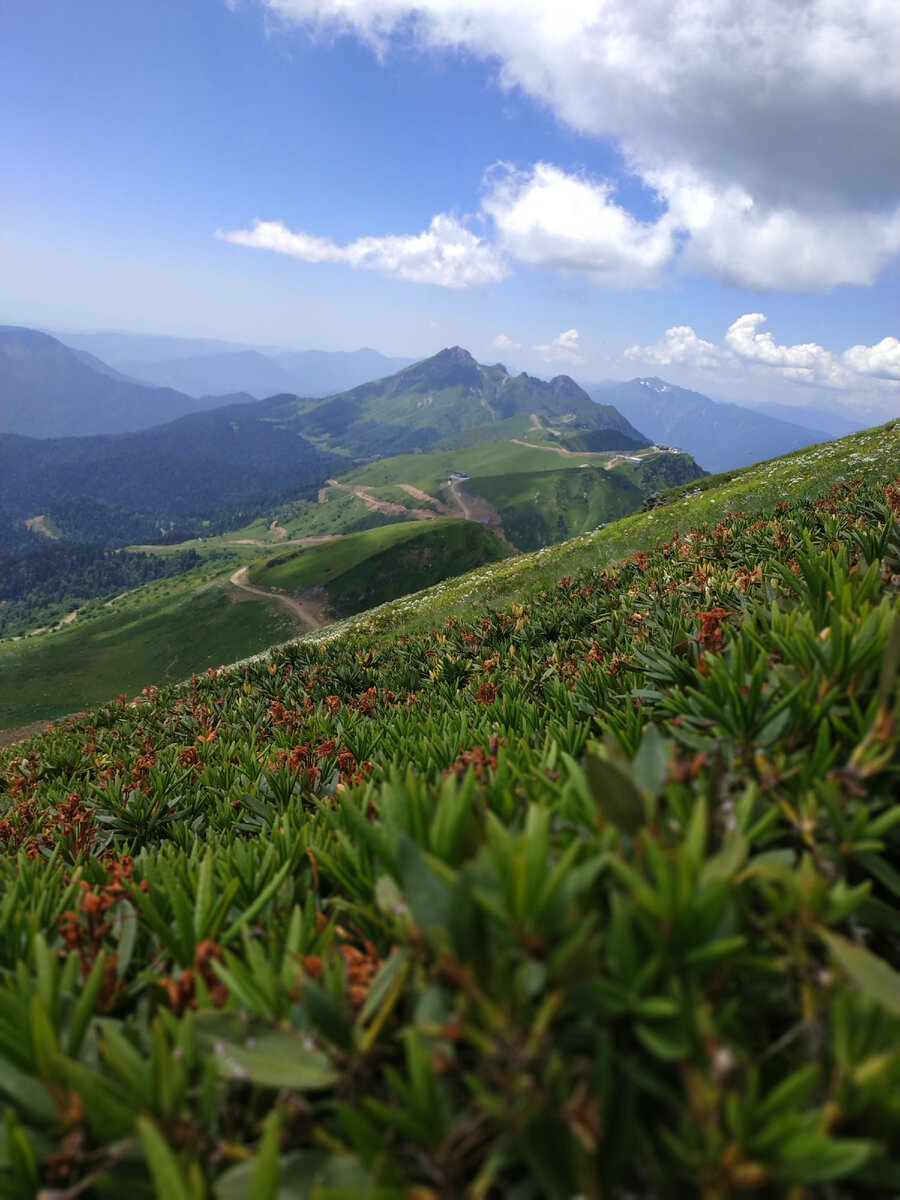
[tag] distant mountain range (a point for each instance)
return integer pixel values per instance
(204, 460)
(835, 424)
(118, 382)
(719, 435)
(49, 390)
(200, 367)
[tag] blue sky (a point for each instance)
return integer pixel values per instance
(555, 185)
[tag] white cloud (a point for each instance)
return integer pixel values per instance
(784, 94)
(680, 345)
(865, 375)
(881, 360)
(747, 244)
(503, 342)
(447, 253)
(861, 368)
(768, 129)
(563, 348)
(567, 223)
(806, 362)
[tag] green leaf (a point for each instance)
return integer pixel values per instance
(84, 1010)
(615, 794)
(277, 1060)
(27, 1093)
(168, 1182)
(651, 763)
(106, 1107)
(876, 980)
(298, 1172)
(730, 858)
(669, 1043)
(428, 895)
(266, 1169)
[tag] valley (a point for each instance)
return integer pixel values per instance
(493, 465)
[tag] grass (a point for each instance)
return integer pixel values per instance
(318, 565)
(380, 564)
(159, 636)
(541, 507)
(430, 471)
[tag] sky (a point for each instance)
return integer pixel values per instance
(703, 190)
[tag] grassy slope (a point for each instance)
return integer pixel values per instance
(166, 630)
(542, 497)
(803, 475)
(163, 634)
(379, 564)
(430, 471)
(599, 883)
(542, 507)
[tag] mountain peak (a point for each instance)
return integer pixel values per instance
(454, 354)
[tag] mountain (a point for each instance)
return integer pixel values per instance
(208, 374)
(325, 372)
(201, 462)
(120, 349)
(307, 372)
(445, 395)
(816, 418)
(50, 391)
(720, 436)
(204, 367)
(191, 466)
(101, 367)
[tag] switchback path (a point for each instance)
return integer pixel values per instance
(601, 455)
(312, 614)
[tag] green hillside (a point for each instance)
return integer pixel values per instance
(158, 634)
(164, 631)
(364, 569)
(577, 876)
(543, 507)
(541, 497)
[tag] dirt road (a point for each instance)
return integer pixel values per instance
(418, 494)
(312, 614)
(388, 507)
(304, 541)
(458, 501)
(601, 455)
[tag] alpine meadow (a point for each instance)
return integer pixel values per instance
(450, 600)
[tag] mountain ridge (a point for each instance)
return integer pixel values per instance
(721, 436)
(49, 391)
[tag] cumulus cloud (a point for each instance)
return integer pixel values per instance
(567, 223)
(447, 253)
(806, 362)
(767, 129)
(864, 374)
(563, 348)
(792, 97)
(881, 360)
(680, 345)
(504, 342)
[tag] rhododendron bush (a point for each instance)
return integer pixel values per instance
(592, 894)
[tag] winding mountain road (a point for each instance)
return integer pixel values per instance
(312, 614)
